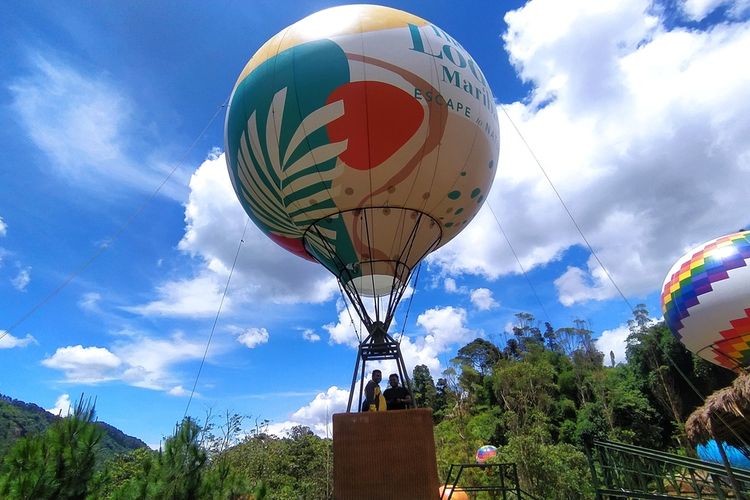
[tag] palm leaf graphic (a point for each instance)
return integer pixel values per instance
(287, 196)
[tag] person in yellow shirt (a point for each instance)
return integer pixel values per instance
(374, 400)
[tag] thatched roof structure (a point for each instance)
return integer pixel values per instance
(724, 416)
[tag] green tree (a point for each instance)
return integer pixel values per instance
(549, 471)
(119, 470)
(424, 387)
(479, 354)
(57, 464)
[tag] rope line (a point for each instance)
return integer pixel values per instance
(609, 276)
(103, 248)
(567, 210)
(216, 318)
(523, 270)
(408, 306)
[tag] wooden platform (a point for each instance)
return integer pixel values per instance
(384, 456)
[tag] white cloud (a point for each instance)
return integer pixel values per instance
(317, 414)
(310, 335)
(253, 337)
(444, 328)
(3, 227)
(85, 365)
(450, 286)
(346, 332)
(8, 341)
(80, 121)
(696, 10)
(22, 279)
(613, 341)
(138, 361)
(90, 301)
(63, 406)
(641, 128)
(178, 390)
(577, 285)
(194, 298)
(482, 299)
(149, 360)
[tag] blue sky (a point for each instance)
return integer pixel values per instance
(638, 111)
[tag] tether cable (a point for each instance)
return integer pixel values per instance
(408, 306)
(567, 210)
(518, 260)
(110, 241)
(609, 276)
(216, 318)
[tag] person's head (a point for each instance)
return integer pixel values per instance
(377, 376)
(393, 379)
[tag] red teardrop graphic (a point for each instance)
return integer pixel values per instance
(294, 245)
(378, 119)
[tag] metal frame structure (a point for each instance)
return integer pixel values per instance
(378, 346)
(507, 481)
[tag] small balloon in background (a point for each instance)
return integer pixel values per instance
(485, 453)
(706, 300)
(453, 492)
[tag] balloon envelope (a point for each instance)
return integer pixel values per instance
(485, 453)
(710, 453)
(706, 300)
(452, 492)
(362, 137)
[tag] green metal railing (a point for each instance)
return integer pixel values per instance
(623, 471)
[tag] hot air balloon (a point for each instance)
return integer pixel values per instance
(706, 300)
(363, 138)
(452, 492)
(484, 453)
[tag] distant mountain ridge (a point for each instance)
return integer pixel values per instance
(19, 418)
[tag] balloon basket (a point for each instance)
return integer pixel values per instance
(384, 456)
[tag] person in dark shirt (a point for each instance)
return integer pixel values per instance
(396, 397)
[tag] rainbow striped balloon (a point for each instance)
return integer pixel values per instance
(706, 300)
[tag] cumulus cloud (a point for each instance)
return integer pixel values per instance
(79, 120)
(613, 341)
(63, 406)
(138, 361)
(150, 360)
(22, 279)
(317, 414)
(8, 341)
(193, 297)
(450, 286)
(347, 330)
(482, 299)
(697, 10)
(178, 390)
(310, 335)
(3, 227)
(443, 328)
(85, 365)
(253, 337)
(642, 129)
